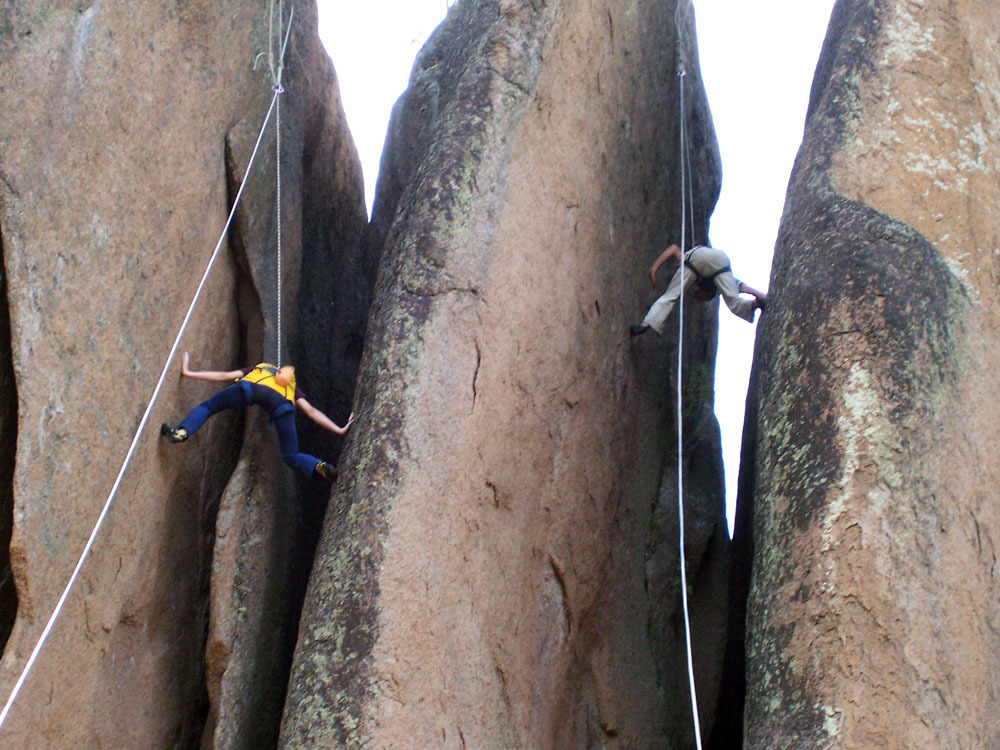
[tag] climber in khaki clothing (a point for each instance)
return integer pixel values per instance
(707, 269)
(271, 388)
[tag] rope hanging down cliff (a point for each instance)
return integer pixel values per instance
(681, 17)
(277, 70)
(15, 691)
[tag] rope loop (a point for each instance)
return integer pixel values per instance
(278, 89)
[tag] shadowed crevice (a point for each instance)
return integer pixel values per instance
(225, 715)
(205, 482)
(8, 444)
(727, 734)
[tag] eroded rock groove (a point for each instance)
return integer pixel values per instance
(8, 443)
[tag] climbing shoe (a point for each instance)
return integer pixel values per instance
(637, 330)
(174, 436)
(762, 304)
(326, 471)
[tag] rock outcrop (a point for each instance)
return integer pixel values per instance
(123, 136)
(873, 617)
(498, 566)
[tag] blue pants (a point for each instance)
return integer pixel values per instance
(242, 394)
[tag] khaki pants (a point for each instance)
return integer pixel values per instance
(707, 260)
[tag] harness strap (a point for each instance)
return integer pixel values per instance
(721, 271)
(281, 411)
(267, 369)
(278, 411)
(699, 274)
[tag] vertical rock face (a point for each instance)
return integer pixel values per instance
(873, 615)
(124, 134)
(498, 566)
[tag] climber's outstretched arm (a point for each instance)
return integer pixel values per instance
(747, 289)
(673, 252)
(321, 419)
(212, 375)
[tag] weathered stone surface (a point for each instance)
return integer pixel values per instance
(249, 641)
(873, 614)
(123, 135)
(495, 569)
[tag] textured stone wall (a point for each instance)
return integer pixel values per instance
(124, 133)
(873, 612)
(498, 566)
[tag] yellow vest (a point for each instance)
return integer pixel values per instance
(263, 374)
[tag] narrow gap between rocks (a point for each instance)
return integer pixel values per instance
(339, 263)
(8, 444)
(250, 325)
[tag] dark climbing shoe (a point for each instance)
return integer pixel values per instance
(326, 471)
(174, 436)
(762, 304)
(637, 330)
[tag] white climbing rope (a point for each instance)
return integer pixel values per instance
(277, 71)
(679, 19)
(277, 148)
(135, 440)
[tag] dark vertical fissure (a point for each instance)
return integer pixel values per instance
(324, 343)
(336, 286)
(248, 305)
(727, 734)
(8, 444)
(271, 658)
(250, 342)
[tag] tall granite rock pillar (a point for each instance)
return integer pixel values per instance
(125, 130)
(498, 567)
(873, 614)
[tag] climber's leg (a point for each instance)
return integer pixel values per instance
(232, 397)
(289, 439)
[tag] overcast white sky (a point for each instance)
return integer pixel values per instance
(757, 60)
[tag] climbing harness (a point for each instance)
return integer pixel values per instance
(15, 691)
(682, 16)
(705, 282)
(267, 375)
